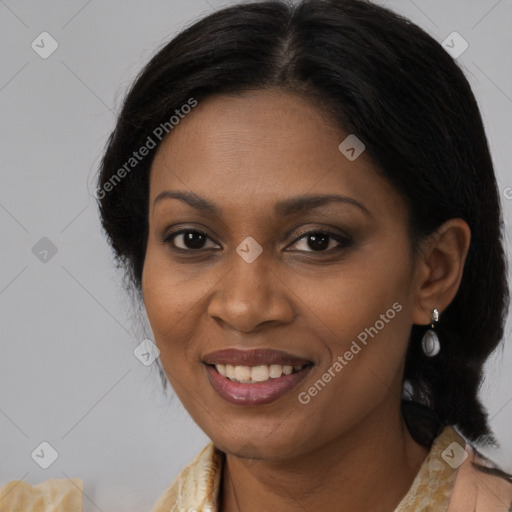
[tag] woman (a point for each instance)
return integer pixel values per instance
(303, 198)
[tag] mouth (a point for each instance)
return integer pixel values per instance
(254, 377)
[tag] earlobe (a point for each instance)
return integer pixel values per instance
(440, 268)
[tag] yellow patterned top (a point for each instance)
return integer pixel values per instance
(53, 495)
(447, 481)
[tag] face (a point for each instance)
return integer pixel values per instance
(241, 277)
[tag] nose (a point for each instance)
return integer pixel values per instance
(250, 295)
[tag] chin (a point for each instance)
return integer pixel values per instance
(258, 445)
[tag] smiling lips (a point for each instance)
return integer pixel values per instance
(254, 377)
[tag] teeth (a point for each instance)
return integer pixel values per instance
(260, 373)
(275, 371)
(242, 372)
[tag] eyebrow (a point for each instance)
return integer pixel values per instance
(283, 208)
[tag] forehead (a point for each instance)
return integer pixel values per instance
(259, 147)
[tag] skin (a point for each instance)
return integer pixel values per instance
(348, 449)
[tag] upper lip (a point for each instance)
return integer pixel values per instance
(260, 356)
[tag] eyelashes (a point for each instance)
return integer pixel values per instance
(319, 236)
(196, 241)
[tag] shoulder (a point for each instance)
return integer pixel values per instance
(480, 486)
(56, 494)
(196, 486)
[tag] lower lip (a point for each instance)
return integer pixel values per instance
(258, 393)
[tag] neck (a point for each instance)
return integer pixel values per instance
(364, 469)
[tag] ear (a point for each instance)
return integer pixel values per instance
(438, 269)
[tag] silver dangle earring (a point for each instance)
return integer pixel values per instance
(430, 341)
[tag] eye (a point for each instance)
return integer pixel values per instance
(322, 241)
(193, 240)
(188, 240)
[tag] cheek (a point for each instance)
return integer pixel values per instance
(168, 305)
(170, 295)
(355, 295)
(175, 298)
(364, 311)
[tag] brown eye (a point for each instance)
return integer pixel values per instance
(322, 241)
(188, 239)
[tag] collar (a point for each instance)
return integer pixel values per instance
(196, 488)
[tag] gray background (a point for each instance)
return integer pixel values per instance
(68, 375)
